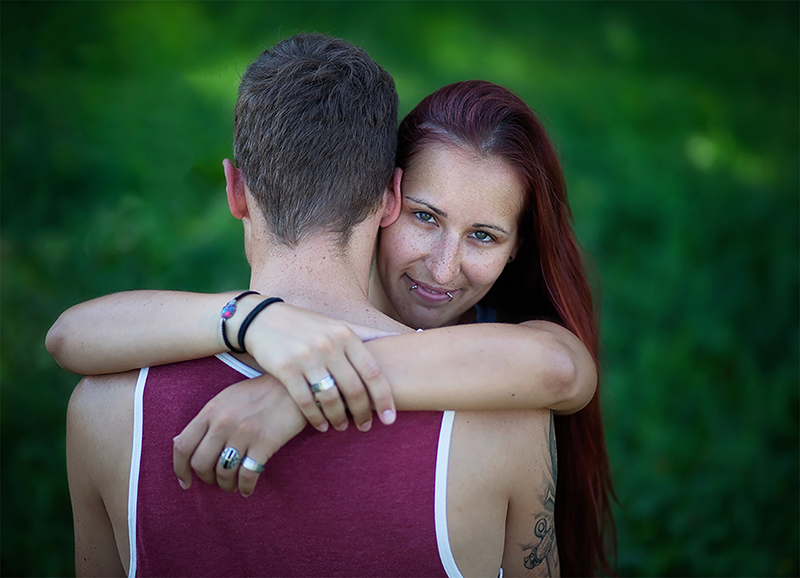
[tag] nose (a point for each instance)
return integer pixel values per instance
(444, 260)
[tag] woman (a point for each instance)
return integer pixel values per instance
(434, 265)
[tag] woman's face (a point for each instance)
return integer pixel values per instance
(456, 231)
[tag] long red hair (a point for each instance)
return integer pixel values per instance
(547, 280)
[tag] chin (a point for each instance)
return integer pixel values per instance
(429, 321)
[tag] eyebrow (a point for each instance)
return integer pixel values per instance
(431, 208)
(441, 213)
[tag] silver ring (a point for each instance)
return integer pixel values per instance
(323, 384)
(450, 296)
(249, 463)
(229, 458)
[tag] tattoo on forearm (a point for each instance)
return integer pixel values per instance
(544, 550)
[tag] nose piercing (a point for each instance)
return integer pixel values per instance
(412, 287)
(450, 296)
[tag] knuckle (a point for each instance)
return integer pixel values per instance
(198, 466)
(342, 332)
(306, 404)
(247, 478)
(324, 344)
(221, 424)
(305, 353)
(284, 367)
(371, 370)
(354, 392)
(179, 446)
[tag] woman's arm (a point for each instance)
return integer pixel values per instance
(533, 365)
(536, 364)
(125, 331)
(135, 329)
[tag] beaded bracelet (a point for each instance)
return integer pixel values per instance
(226, 313)
(252, 315)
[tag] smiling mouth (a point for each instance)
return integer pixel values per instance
(430, 295)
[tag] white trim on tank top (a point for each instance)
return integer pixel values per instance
(136, 460)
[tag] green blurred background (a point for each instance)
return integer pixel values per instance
(678, 129)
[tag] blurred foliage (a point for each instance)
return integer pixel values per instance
(678, 127)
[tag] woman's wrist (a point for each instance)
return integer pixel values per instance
(244, 305)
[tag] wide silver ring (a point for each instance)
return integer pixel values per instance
(229, 458)
(249, 463)
(323, 384)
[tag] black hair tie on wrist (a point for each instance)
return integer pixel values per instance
(252, 315)
(226, 313)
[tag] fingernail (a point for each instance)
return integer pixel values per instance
(183, 484)
(365, 426)
(341, 427)
(388, 416)
(323, 427)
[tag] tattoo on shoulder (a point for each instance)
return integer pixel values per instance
(543, 549)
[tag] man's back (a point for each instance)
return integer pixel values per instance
(368, 504)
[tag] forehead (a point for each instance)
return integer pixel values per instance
(461, 182)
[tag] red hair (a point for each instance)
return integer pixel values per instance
(546, 280)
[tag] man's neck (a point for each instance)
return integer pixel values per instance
(318, 276)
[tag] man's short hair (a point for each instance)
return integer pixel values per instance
(315, 135)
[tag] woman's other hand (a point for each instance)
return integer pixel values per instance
(256, 417)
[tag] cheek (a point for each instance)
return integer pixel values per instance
(400, 245)
(484, 271)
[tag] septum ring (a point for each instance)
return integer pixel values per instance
(323, 384)
(229, 458)
(249, 463)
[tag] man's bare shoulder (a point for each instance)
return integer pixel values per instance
(102, 406)
(104, 392)
(518, 427)
(498, 479)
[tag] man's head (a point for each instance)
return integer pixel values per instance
(315, 135)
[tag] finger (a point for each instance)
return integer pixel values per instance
(250, 470)
(183, 447)
(226, 476)
(206, 455)
(269, 435)
(378, 388)
(298, 388)
(356, 397)
(331, 403)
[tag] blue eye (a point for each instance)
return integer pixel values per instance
(482, 236)
(423, 216)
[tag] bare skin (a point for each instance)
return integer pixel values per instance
(506, 492)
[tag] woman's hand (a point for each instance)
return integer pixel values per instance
(256, 417)
(300, 348)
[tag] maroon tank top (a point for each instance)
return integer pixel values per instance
(334, 504)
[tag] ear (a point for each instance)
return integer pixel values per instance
(393, 199)
(236, 190)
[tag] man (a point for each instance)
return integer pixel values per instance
(314, 141)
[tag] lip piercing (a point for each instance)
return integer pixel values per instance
(416, 286)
